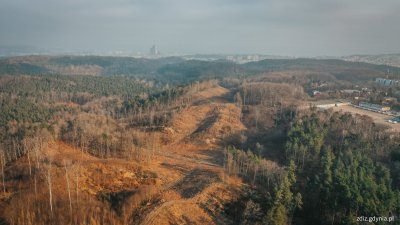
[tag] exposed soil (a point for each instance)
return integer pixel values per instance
(184, 184)
(194, 184)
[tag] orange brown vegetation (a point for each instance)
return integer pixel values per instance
(184, 183)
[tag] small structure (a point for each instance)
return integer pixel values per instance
(387, 82)
(373, 107)
(389, 100)
(347, 91)
(316, 93)
(154, 51)
(394, 120)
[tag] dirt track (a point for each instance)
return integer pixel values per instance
(190, 167)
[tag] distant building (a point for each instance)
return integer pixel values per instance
(374, 107)
(347, 91)
(316, 93)
(365, 89)
(318, 84)
(154, 51)
(389, 100)
(387, 82)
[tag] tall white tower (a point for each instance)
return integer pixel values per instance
(154, 50)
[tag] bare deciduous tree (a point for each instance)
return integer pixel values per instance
(68, 187)
(49, 185)
(3, 161)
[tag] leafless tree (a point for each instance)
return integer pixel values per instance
(27, 142)
(68, 187)
(49, 183)
(3, 162)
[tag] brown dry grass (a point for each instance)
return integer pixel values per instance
(185, 183)
(195, 186)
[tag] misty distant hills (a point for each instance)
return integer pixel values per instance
(18, 50)
(178, 70)
(384, 59)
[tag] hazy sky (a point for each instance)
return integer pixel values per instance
(279, 27)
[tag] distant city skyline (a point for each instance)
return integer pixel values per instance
(273, 27)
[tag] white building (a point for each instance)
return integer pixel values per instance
(154, 51)
(373, 107)
(387, 82)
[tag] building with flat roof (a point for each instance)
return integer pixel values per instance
(373, 107)
(387, 82)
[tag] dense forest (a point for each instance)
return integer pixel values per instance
(177, 71)
(337, 167)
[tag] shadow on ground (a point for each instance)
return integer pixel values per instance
(195, 182)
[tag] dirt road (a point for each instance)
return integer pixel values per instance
(193, 185)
